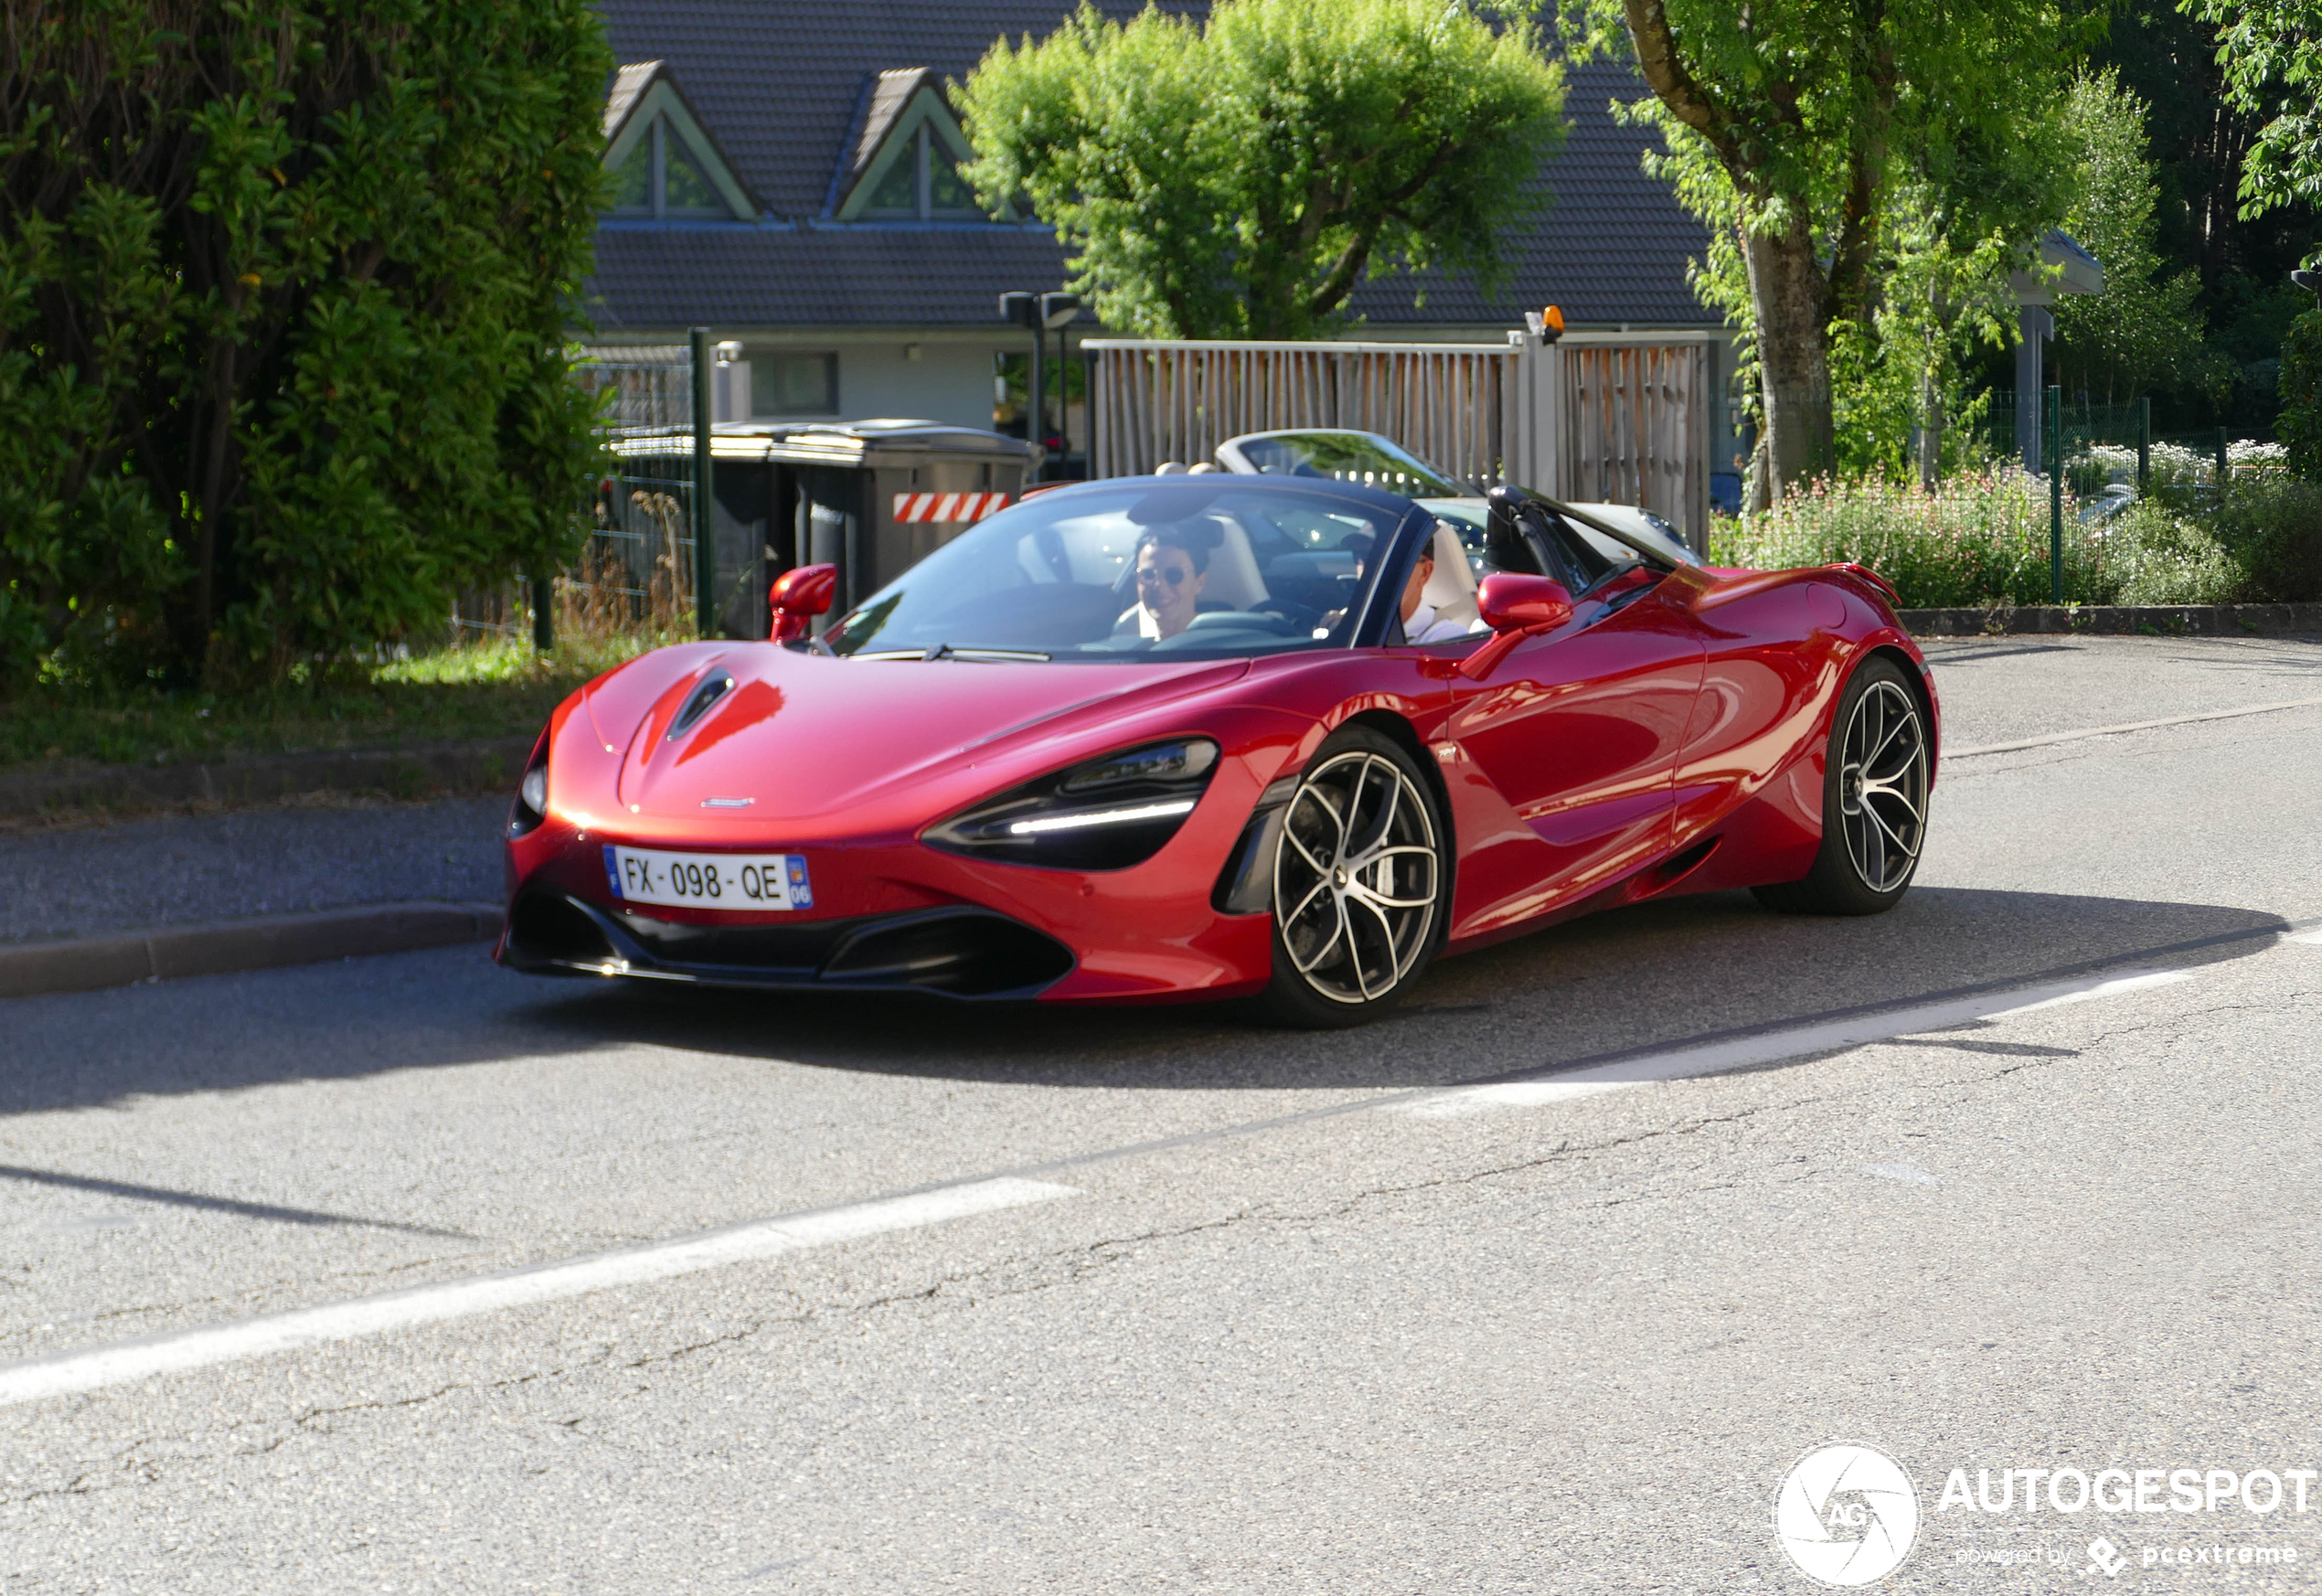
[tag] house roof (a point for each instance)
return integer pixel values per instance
(629, 85)
(799, 94)
(885, 96)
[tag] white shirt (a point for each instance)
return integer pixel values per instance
(1422, 626)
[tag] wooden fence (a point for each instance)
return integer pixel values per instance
(1593, 416)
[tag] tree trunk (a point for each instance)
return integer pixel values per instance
(1786, 290)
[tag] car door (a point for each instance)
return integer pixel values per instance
(1580, 729)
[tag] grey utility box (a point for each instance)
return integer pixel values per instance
(874, 498)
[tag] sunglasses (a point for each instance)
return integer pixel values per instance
(1167, 576)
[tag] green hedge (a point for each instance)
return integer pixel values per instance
(284, 291)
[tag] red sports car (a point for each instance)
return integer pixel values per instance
(1216, 735)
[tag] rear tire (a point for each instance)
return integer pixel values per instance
(1361, 883)
(1874, 800)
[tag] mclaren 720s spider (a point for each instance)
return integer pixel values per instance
(1217, 735)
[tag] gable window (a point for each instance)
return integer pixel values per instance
(661, 177)
(922, 183)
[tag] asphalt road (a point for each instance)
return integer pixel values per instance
(1200, 1306)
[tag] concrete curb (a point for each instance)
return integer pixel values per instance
(222, 947)
(407, 772)
(2115, 619)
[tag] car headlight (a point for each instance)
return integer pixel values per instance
(531, 806)
(1104, 815)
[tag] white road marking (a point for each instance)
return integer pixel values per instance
(2311, 938)
(1510, 1094)
(1907, 1173)
(1997, 748)
(94, 1368)
(1772, 1047)
(2112, 988)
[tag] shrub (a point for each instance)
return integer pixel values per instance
(1975, 541)
(284, 291)
(2299, 425)
(2152, 556)
(2271, 525)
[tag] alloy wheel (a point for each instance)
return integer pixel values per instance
(1356, 877)
(1882, 785)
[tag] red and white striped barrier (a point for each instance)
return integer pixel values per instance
(948, 507)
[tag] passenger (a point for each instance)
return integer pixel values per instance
(1173, 567)
(1420, 624)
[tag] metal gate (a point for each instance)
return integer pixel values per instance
(635, 570)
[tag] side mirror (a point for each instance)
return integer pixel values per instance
(799, 596)
(1515, 607)
(1510, 602)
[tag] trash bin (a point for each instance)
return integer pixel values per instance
(874, 498)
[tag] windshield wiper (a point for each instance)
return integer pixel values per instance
(945, 650)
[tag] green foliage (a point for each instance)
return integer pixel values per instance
(2271, 525)
(2143, 331)
(1977, 539)
(498, 688)
(1827, 143)
(283, 289)
(2271, 51)
(2153, 557)
(1983, 539)
(2300, 426)
(1239, 178)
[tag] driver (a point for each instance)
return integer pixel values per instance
(1173, 567)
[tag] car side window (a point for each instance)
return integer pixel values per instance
(1572, 558)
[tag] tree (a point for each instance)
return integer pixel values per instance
(283, 291)
(2270, 54)
(1240, 177)
(2143, 328)
(1805, 116)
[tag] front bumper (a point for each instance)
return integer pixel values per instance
(894, 914)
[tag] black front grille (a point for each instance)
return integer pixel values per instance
(968, 955)
(549, 928)
(963, 952)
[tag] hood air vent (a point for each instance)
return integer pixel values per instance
(713, 687)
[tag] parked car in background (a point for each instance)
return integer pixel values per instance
(1344, 454)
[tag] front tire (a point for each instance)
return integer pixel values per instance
(1361, 883)
(1874, 800)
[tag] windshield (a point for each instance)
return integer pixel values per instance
(1201, 566)
(1363, 457)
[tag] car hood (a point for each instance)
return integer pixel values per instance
(801, 735)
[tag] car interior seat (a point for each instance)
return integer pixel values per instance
(1450, 588)
(1234, 581)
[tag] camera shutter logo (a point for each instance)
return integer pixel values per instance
(1847, 1515)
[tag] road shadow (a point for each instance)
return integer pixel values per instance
(1654, 974)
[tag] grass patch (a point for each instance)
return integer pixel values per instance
(494, 688)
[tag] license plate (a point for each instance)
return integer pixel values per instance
(750, 881)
